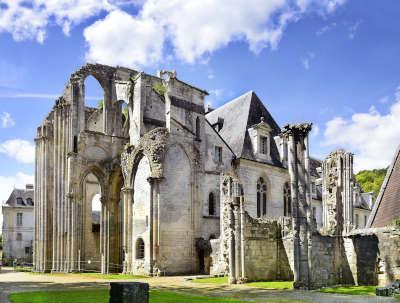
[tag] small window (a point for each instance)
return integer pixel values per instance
(263, 145)
(29, 201)
(27, 250)
(19, 219)
(261, 198)
(198, 128)
(19, 237)
(287, 205)
(218, 154)
(75, 144)
(313, 188)
(314, 212)
(20, 201)
(211, 204)
(365, 221)
(140, 249)
(357, 221)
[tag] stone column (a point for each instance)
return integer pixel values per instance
(242, 240)
(127, 195)
(232, 257)
(154, 221)
(296, 135)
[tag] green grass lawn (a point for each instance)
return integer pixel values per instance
(261, 284)
(350, 290)
(95, 275)
(101, 296)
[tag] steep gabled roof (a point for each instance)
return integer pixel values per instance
(387, 205)
(238, 116)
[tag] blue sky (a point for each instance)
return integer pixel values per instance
(332, 62)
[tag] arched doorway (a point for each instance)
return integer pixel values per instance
(92, 214)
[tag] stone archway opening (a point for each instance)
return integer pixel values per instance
(92, 215)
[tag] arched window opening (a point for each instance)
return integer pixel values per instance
(198, 128)
(94, 104)
(287, 201)
(124, 113)
(94, 93)
(261, 198)
(29, 201)
(211, 205)
(20, 201)
(140, 249)
(96, 211)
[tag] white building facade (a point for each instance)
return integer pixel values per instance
(18, 226)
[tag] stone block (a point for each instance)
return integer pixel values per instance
(384, 291)
(129, 292)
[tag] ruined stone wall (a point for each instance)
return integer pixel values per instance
(265, 256)
(374, 255)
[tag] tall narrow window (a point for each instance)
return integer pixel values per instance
(198, 128)
(287, 205)
(75, 144)
(357, 222)
(218, 154)
(365, 221)
(19, 237)
(261, 198)
(19, 219)
(264, 145)
(211, 204)
(140, 249)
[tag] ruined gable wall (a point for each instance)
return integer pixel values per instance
(177, 253)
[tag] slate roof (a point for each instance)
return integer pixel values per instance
(239, 115)
(387, 206)
(20, 193)
(314, 164)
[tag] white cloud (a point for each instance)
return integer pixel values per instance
(28, 19)
(353, 30)
(326, 28)
(193, 29)
(121, 39)
(8, 183)
(21, 150)
(6, 120)
(372, 136)
(306, 60)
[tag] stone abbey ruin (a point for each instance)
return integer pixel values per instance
(185, 189)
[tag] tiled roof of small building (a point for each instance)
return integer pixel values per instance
(387, 206)
(238, 116)
(23, 194)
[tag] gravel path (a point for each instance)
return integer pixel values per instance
(16, 282)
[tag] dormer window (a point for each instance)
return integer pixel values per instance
(260, 135)
(20, 201)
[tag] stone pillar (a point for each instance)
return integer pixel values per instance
(127, 195)
(242, 240)
(296, 135)
(154, 222)
(232, 257)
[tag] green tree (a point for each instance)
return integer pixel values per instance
(371, 180)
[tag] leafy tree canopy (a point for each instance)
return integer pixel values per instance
(371, 180)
